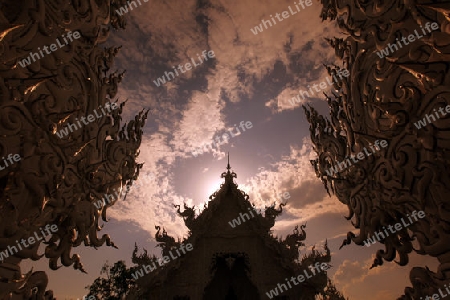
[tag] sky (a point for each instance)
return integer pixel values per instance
(251, 78)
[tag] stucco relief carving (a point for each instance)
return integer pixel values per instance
(382, 99)
(58, 179)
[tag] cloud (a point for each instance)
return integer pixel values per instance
(192, 134)
(153, 201)
(293, 174)
(278, 62)
(351, 272)
(357, 281)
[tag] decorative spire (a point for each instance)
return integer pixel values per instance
(228, 175)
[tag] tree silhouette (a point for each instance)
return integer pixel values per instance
(116, 285)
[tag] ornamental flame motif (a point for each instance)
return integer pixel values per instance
(57, 180)
(382, 99)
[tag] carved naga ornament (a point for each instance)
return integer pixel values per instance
(188, 215)
(165, 241)
(59, 177)
(382, 100)
(295, 240)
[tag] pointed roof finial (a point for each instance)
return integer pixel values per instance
(229, 175)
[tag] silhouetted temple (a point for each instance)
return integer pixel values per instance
(243, 262)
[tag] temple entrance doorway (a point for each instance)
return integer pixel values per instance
(230, 279)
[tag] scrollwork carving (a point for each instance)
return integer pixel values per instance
(188, 215)
(59, 177)
(382, 99)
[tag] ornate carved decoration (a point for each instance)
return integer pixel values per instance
(188, 215)
(286, 251)
(382, 99)
(165, 241)
(230, 258)
(58, 179)
(270, 214)
(142, 259)
(294, 241)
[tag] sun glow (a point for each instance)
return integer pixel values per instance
(213, 185)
